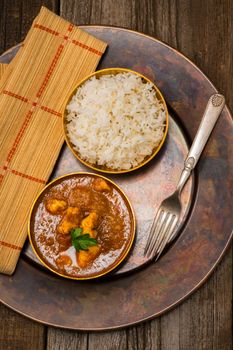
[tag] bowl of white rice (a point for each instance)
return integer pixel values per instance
(115, 120)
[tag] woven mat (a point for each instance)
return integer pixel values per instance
(34, 89)
(2, 69)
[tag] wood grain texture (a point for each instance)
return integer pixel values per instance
(59, 339)
(20, 333)
(202, 30)
(145, 336)
(206, 316)
(107, 341)
(16, 18)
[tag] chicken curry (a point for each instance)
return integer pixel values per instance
(82, 226)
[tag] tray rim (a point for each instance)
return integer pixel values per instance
(146, 36)
(205, 278)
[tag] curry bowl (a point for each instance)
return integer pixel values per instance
(120, 129)
(81, 226)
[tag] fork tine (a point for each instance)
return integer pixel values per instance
(163, 233)
(156, 219)
(167, 237)
(155, 234)
(158, 222)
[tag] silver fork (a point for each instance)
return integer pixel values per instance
(166, 219)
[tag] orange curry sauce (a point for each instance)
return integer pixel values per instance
(92, 204)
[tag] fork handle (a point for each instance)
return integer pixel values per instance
(212, 112)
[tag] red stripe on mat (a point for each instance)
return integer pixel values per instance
(1, 178)
(29, 177)
(9, 245)
(35, 104)
(12, 94)
(48, 30)
(18, 173)
(70, 28)
(75, 42)
(19, 136)
(30, 112)
(49, 110)
(91, 49)
(51, 69)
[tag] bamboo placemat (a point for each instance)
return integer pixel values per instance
(2, 69)
(54, 57)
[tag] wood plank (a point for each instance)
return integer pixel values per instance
(170, 330)
(205, 35)
(16, 19)
(107, 341)
(66, 340)
(111, 12)
(2, 26)
(30, 9)
(145, 336)
(205, 319)
(223, 304)
(11, 28)
(202, 30)
(19, 333)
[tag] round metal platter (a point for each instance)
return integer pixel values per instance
(142, 288)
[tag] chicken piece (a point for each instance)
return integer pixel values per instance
(85, 257)
(89, 223)
(101, 185)
(63, 260)
(56, 206)
(70, 220)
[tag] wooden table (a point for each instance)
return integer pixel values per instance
(203, 31)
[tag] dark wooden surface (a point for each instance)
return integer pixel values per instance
(203, 31)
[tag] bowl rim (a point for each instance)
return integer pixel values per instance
(132, 231)
(112, 171)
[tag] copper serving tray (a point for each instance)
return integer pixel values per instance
(144, 289)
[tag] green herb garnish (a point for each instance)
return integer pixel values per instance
(80, 240)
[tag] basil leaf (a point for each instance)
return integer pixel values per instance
(76, 232)
(76, 245)
(82, 241)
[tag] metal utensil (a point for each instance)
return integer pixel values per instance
(167, 217)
